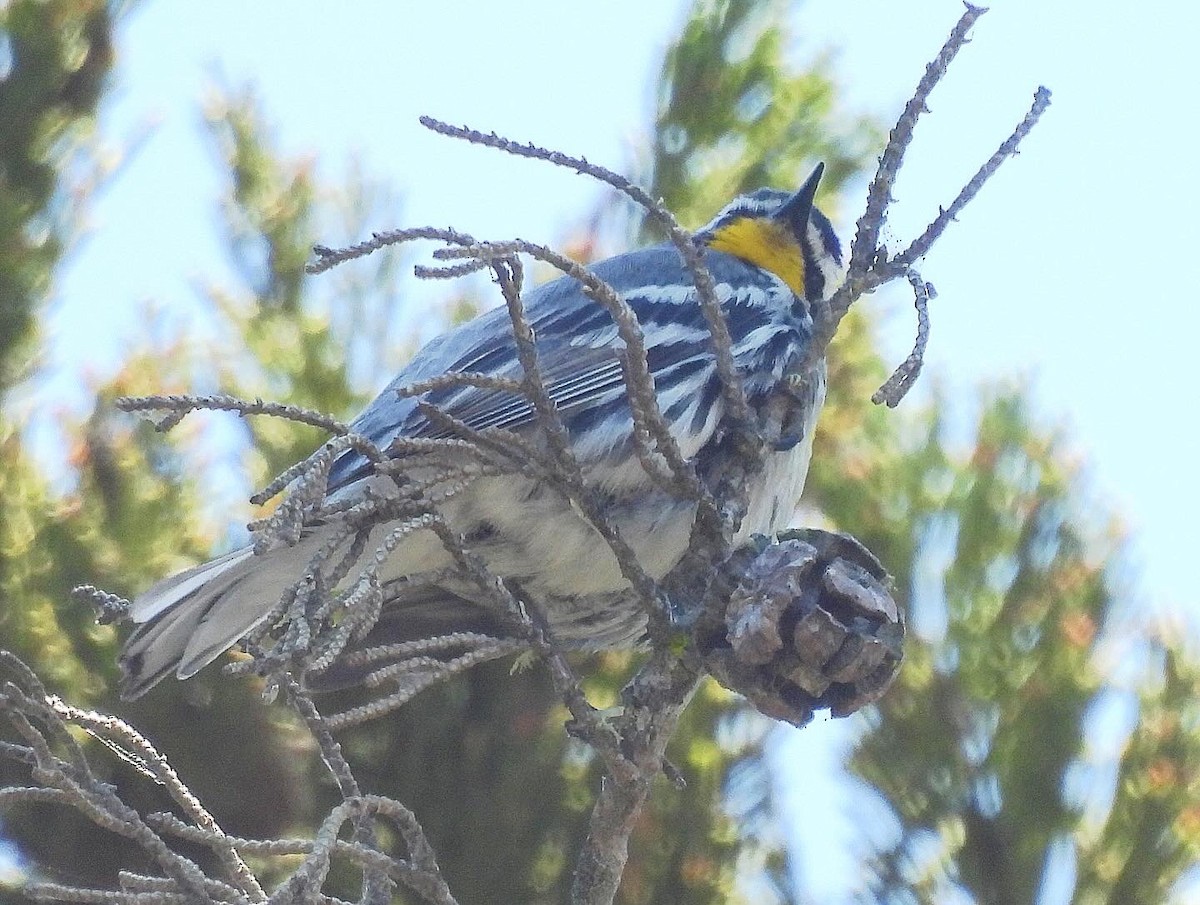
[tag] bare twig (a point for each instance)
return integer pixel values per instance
(897, 386)
(331, 257)
(136, 748)
(655, 699)
(330, 451)
(464, 379)
(181, 405)
(1008, 148)
(448, 271)
(59, 764)
(864, 250)
(869, 265)
(414, 674)
(377, 884)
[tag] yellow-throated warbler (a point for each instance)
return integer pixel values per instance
(770, 253)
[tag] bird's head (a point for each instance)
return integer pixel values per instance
(783, 233)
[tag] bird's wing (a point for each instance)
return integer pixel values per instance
(572, 378)
(577, 346)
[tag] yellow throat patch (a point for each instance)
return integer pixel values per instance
(764, 244)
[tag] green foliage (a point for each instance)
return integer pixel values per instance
(1137, 848)
(133, 512)
(128, 519)
(736, 113)
(974, 740)
(318, 347)
(287, 351)
(55, 57)
(983, 750)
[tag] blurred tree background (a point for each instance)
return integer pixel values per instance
(1041, 745)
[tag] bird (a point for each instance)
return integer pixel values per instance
(773, 255)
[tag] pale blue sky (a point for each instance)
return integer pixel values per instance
(1059, 273)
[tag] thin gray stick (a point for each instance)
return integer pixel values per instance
(136, 745)
(1008, 148)
(897, 386)
(181, 405)
(866, 240)
(331, 257)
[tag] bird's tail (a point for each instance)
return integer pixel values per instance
(188, 620)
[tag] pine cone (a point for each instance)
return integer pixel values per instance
(811, 625)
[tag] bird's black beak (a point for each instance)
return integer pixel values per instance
(795, 210)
